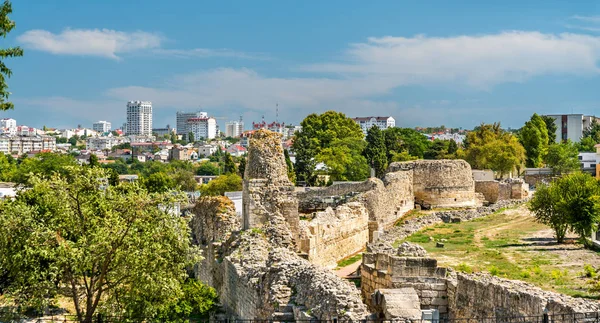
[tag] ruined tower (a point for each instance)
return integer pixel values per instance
(269, 202)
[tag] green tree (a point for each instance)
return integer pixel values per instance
(586, 144)
(534, 138)
(222, 184)
(489, 147)
(198, 299)
(229, 165)
(6, 25)
(375, 151)
(8, 168)
(242, 167)
(119, 166)
(94, 161)
(452, 148)
(73, 233)
(174, 138)
(113, 178)
(184, 180)
(398, 140)
(207, 169)
(562, 158)
(403, 156)
(550, 128)
(573, 202)
(190, 137)
(43, 164)
(158, 183)
(439, 149)
(320, 133)
(288, 162)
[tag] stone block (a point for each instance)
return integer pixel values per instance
(440, 301)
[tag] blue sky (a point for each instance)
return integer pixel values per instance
(426, 63)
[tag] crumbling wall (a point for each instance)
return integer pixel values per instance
(495, 191)
(483, 296)
(440, 183)
(269, 198)
(331, 196)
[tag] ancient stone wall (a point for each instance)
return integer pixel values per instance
(317, 198)
(386, 270)
(489, 189)
(440, 183)
(495, 191)
(334, 234)
(483, 295)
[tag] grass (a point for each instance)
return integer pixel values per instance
(349, 261)
(493, 244)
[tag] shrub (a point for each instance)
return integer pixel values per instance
(462, 267)
(589, 271)
(494, 271)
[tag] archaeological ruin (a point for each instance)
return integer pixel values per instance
(275, 261)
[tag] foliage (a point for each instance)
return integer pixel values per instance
(534, 138)
(550, 128)
(441, 149)
(184, 180)
(6, 25)
(489, 147)
(43, 164)
(589, 271)
(8, 167)
(229, 165)
(222, 184)
(344, 160)
(190, 137)
(592, 131)
(119, 166)
(375, 151)
(158, 183)
(570, 202)
(242, 167)
(207, 169)
(586, 144)
(94, 161)
(75, 233)
(562, 157)
(124, 145)
(288, 162)
(197, 300)
(398, 140)
(322, 137)
(403, 156)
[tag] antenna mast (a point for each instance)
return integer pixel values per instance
(276, 112)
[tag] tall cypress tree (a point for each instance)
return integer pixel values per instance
(375, 152)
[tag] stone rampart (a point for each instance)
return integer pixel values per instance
(483, 296)
(318, 199)
(440, 183)
(334, 234)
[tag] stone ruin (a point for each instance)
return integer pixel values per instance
(272, 262)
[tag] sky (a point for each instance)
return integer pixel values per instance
(425, 63)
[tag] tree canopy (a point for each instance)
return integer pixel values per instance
(562, 158)
(550, 128)
(115, 249)
(6, 25)
(330, 138)
(222, 184)
(534, 138)
(375, 151)
(405, 140)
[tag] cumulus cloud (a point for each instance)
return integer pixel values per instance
(93, 42)
(479, 61)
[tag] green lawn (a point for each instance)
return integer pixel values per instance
(496, 244)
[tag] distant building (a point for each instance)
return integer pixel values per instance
(101, 126)
(8, 126)
(25, 144)
(236, 150)
(161, 132)
(198, 123)
(571, 126)
(139, 118)
(382, 123)
(234, 128)
(207, 150)
(103, 143)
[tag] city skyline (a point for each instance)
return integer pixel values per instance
(480, 62)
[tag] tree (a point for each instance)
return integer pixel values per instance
(158, 183)
(74, 233)
(586, 144)
(6, 25)
(440, 149)
(489, 147)
(534, 138)
(398, 140)
(222, 184)
(198, 299)
(8, 168)
(375, 151)
(242, 167)
(562, 158)
(184, 180)
(288, 162)
(550, 128)
(113, 178)
(119, 166)
(570, 202)
(207, 169)
(94, 161)
(190, 137)
(229, 165)
(43, 164)
(320, 133)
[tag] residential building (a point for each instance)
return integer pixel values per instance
(382, 123)
(278, 127)
(207, 150)
(179, 152)
(198, 123)
(8, 126)
(571, 126)
(139, 118)
(236, 150)
(103, 143)
(234, 129)
(23, 144)
(101, 126)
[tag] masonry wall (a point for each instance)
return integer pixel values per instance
(495, 191)
(334, 234)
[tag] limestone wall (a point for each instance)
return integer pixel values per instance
(440, 183)
(495, 191)
(483, 295)
(390, 199)
(334, 234)
(331, 196)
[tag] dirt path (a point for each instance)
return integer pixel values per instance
(348, 270)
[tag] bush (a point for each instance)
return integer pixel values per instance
(494, 271)
(589, 271)
(462, 267)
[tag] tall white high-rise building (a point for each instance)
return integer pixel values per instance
(198, 123)
(139, 118)
(101, 126)
(234, 129)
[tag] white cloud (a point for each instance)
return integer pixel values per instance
(208, 53)
(479, 61)
(93, 42)
(588, 19)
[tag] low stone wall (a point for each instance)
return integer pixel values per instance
(495, 191)
(334, 234)
(440, 183)
(483, 296)
(313, 199)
